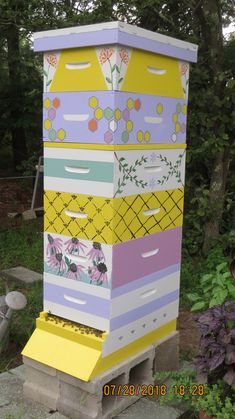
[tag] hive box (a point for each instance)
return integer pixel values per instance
(114, 131)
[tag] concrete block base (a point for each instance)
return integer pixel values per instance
(167, 353)
(78, 399)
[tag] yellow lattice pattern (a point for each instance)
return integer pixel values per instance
(112, 220)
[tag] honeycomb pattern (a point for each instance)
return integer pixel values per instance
(52, 105)
(176, 119)
(113, 116)
(112, 220)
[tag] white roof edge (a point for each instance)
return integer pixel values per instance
(124, 27)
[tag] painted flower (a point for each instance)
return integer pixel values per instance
(183, 69)
(98, 273)
(54, 246)
(96, 253)
(152, 183)
(56, 261)
(124, 55)
(74, 271)
(105, 54)
(74, 245)
(153, 157)
(51, 59)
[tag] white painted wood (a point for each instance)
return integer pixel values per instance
(119, 338)
(144, 295)
(79, 154)
(86, 187)
(77, 286)
(76, 315)
(151, 172)
(124, 27)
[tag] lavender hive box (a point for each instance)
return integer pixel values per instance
(89, 283)
(113, 117)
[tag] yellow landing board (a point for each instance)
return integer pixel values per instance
(50, 345)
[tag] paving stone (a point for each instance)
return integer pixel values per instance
(19, 273)
(147, 409)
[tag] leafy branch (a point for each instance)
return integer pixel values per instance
(173, 169)
(128, 173)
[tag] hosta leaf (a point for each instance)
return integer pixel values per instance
(192, 297)
(206, 278)
(198, 306)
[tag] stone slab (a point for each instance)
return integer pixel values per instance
(29, 215)
(19, 273)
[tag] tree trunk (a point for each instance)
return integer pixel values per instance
(210, 17)
(16, 98)
(216, 197)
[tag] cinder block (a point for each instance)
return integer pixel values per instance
(78, 399)
(42, 384)
(167, 353)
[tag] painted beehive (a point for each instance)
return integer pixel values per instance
(114, 130)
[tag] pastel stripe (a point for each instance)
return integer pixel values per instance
(87, 187)
(111, 147)
(93, 304)
(102, 307)
(147, 280)
(142, 311)
(98, 171)
(56, 151)
(169, 244)
(112, 36)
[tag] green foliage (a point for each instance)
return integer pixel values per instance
(214, 288)
(174, 380)
(193, 268)
(215, 403)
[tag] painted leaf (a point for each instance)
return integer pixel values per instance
(113, 68)
(117, 68)
(45, 73)
(67, 261)
(120, 80)
(49, 82)
(108, 80)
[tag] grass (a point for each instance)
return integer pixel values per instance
(21, 246)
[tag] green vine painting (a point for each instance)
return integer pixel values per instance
(128, 173)
(174, 170)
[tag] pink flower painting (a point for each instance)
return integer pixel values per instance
(74, 246)
(124, 56)
(74, 271)
(56, 262)
(96, 253)
(54, 245)
(98, 273)
(105, 54)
